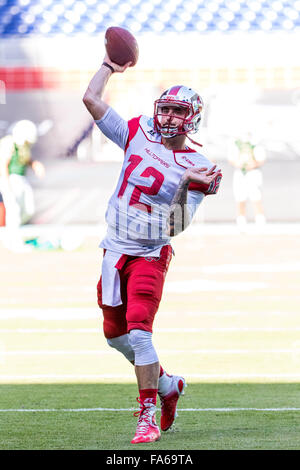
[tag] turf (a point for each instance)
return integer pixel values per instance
(113, 430)
(242, 345)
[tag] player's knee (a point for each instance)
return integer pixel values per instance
(137, 338)
(141, 343)
(121, 344)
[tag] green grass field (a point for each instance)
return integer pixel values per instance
(229, 322)
(112, 430)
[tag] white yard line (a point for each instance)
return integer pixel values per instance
(82, 410)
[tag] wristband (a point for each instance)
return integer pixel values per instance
(109, 66)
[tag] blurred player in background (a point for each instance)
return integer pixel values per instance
(247, 157)
(2, 211)
(15, 158)
(162, 182)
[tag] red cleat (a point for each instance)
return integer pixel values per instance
(169, 402)
(147, 429)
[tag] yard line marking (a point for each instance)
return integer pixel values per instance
(81, 410)
(101, 352)
(158, 330)
(292, 375)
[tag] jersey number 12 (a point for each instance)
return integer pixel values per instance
(152, 190)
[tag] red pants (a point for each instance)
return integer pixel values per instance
(142, 281)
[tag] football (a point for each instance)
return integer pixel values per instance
(121, 46)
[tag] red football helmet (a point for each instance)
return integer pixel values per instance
(184, 97)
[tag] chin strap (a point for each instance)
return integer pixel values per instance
(194, 142)
(171, 136)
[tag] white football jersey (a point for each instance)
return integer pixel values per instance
(139, 207)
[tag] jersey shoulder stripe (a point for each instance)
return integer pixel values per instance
(133, 126)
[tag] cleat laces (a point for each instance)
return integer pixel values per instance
(145, 416)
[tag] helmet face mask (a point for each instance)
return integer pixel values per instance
(178, 97)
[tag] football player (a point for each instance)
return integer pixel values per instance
(247, 158)
(15, 158)
(161, 184)
(2, 211)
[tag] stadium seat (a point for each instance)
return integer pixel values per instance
(73, 17)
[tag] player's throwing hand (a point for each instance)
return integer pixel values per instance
(116, 67)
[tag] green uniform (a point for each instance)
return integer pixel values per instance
(20, 159)
(246, 150)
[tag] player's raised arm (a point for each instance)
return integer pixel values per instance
(121, 52)
(93, 95)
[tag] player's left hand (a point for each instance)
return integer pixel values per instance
(201, 175)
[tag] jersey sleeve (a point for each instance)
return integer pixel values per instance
(114, 127)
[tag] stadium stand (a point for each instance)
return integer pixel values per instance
(239, 54)
(52, 17)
